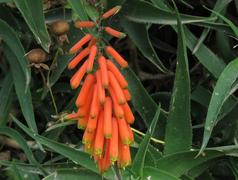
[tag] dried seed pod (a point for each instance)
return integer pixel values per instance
(59, 27)
(37, 56)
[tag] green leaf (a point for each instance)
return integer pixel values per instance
(220, 94)
(6, 98)
(154, 173)
(73, 175)
(75, 155)
(23, 95)
(32, 12)
(145, 105)
(92, 12)
(220, 4)
(62, 63)
(20, 140)
(144, 12)
(139, 160)
(79, 8)
(138, 33)
(12, 41)
(230, 23)
(178, 135)
(185, 161)
(215, 65)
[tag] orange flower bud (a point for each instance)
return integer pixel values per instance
(84, 92)
(99, 138)
(78, 58)
(78, 76)
(128, 114)
(92, 55)
(114, 32)
(111, 12)
(108, 118)
(80, 43)
(114, 141)
(103, 68)
(116, 88)
(84, 24)
(120, 78)
(120, 60)
(123, 131)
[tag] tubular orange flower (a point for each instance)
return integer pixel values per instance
(114, 141)
(99, 138)
(84, 24)
(88, 137)
(92, 55)
(114, 32)
(94, 110)
(127, 94)
(125, 155)
(72, 116)
(78, 58)
(92, 124)
(92, 42)
(111, 12)
(106, 158)
(101, 90)
(116, 88)
(120, 60)
(84, 110)
(116, 107)
(82, 122)
(88, 148)
(128, 113)
(120, 78)
(103, 67)
(84, 92)
(78, 76)
(79, 44)
(108, 118)
(123, 131)
(130, 133)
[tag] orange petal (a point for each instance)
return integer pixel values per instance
(74, 62)
(103, 68)
(114, 141)
(92, 55)
(101, 90)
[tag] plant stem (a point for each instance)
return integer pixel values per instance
(153, 139)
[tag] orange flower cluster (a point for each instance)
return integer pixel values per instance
(102, 103)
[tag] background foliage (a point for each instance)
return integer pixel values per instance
(182, 75)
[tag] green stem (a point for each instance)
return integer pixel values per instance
(152, 139)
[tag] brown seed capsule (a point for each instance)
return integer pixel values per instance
(59, 27)
(36, 56)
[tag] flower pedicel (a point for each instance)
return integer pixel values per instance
(103, 111)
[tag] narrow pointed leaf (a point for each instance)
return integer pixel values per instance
(138, 33)
(139, 160)
(23, 95)
(5, 98)
(220, 94)
(32, 12)
(178, 135)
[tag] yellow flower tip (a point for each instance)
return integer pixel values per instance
(126, 141)
(92, 116)
(123, 35)
(113, 159)
(81, 127)
(125, 164)
(122, 102)
(98, 152)
(108, 136)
